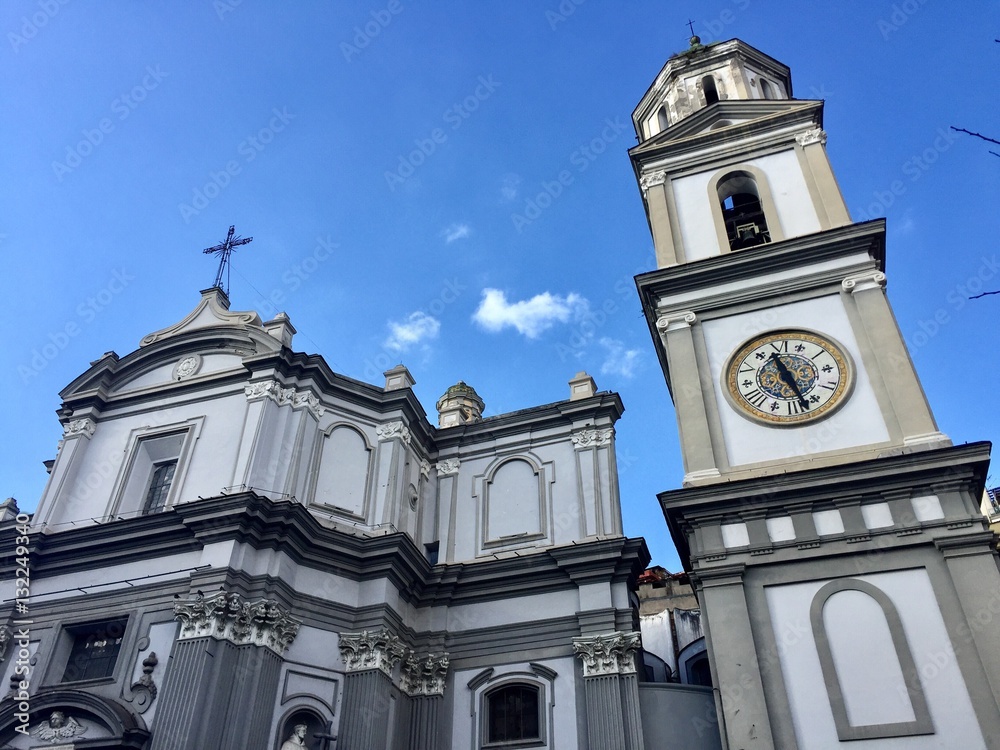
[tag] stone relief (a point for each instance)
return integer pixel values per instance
(424, 676)
(816, 135)
(392, 431)
(447, 467)
(284, 396)
(187, 367)
(58, 728)
(590, 437)
(231, 617)
(85, 427)
(379, 649)
(613, 653)
(144, 689)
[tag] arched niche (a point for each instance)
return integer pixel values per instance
(312, 722)
(342, 474)
(514, 502)
(742, 179)
(871, 679)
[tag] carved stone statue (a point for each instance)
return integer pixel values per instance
(58, 728)
(297, 739)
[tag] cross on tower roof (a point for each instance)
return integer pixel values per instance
(691, 26)
(224, 250)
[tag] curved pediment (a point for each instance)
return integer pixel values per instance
(211, 312)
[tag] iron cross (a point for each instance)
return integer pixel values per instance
(224, 250)
(691, 26)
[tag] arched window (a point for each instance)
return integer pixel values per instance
(699, 672)
(711, 92)
(766, 89)
(742, 212)
(512, 714)
(661, 118)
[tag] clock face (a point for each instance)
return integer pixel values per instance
(788, 377)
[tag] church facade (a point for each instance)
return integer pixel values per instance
(240, 548)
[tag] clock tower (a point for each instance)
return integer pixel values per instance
(831, 530)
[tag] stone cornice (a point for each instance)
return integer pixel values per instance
(610, 654)
(230, 617)
(288, 526)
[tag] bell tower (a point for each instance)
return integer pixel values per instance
(768, 309)
(832, 533)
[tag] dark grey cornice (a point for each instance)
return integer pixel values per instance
(261, 523)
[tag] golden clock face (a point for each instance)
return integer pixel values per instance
(788, 377)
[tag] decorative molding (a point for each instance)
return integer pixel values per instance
(393, 430)
(675, 321)
(211, 311)
(86, 427)
(284, 396)
(651, 179)
(424, 676)
(425, 468)
(379, 649)
(613, 653)
(808, 138)
(864, 282)
(231, 618)
(448, 467)
(59, 728)
(590, 437)
(187, 367)
(144, 689)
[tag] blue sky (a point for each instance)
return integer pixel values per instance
(387, 158)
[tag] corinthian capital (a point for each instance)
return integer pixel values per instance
(232, 618)
(613, 653)
(371, 650)
(424, 676)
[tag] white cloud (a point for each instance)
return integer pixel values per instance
(456, 232)
(510, 187)
(530, 317)
(619, 360)
(416, 328)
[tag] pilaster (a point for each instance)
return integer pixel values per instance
(369, 660)
(612, 690)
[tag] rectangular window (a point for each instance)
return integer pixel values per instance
(95, 650)
(512, 714)
(159, 486)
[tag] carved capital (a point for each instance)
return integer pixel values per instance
(651, 179)
(675, 321)
(613, 653)
(864, 282)
(371, 650)
(284, 396)
(590, 437)
(424, 676)
(808, 138)
(85, 427)
(393, 431)
(425, 468)
(448, 467)
(232, 618)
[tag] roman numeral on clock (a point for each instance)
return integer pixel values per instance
(755, 397)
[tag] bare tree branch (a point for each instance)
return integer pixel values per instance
(977, 135)
(985, 294)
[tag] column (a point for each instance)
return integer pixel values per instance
(369, 658)
(220, 687)
(689, 400)
(423, 680)
(611, 688)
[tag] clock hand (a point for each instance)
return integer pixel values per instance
(789, 379)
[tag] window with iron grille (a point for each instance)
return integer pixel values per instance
(95, 650)
(512, 714)
(159, 486)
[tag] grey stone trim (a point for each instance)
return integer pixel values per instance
(845, 730)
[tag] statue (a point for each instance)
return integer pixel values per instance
(58, 728)
(297, 739)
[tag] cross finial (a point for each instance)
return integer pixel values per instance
(224, 250)
(691, 26)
